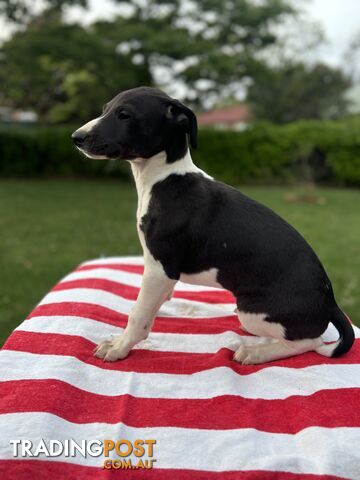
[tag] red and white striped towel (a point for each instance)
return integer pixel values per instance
(212, 418)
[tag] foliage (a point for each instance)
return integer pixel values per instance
(216, 42)
(22, 11)
(307, 151)
(298, 91)
(67, 72)
(63, 80)
(63, 71)
(49, 151)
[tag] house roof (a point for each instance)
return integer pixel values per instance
(228, 116)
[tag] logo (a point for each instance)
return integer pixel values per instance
(119, 454)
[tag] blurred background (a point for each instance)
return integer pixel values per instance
(275, 85)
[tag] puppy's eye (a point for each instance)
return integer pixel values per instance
(123, 115)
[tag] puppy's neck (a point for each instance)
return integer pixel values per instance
(148, 171)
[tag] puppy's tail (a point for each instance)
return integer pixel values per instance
(346, 336)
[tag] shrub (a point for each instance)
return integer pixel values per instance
(324, 152)
(49, 151)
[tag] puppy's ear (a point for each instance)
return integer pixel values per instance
(183, 117)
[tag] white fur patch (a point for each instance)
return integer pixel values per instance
(327, 349)
(207, 278)
(254, 323)
(87, 129)
(89, 125)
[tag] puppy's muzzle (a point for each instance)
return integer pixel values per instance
(79, 138)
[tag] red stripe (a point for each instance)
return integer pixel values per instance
(154, 361)
(131, 293)
(205, 325)
(114, 266)
(52, 470)
(276, 416)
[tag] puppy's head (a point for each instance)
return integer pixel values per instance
(139, 123)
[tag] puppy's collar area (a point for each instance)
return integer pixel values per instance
(151, 170)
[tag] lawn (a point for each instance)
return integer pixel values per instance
(50, 226)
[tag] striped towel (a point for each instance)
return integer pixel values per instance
(211, 418)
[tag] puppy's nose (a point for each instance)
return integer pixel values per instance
(79, 137)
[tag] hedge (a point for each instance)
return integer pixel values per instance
(323, 152)
(319, 151)
(49, 151)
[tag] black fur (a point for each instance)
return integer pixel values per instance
(195, 224)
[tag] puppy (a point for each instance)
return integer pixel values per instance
(197, 230)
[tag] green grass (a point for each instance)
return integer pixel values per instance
(49, 227)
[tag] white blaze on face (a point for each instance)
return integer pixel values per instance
(87, 129)
(89, 125)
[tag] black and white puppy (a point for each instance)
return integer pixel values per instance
(197, 230)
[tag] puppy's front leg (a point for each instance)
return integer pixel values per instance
(156, 287)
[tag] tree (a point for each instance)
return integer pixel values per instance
(64, 72)
(212, 48)
(298, 91)
(22, 11)
(208, 46)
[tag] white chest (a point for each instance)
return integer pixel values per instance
(206, 278)
(144, 196)
(148, 172)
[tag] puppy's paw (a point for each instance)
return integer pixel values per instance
(248, 355)
(116, 353)
(111, 350)
(102, 348)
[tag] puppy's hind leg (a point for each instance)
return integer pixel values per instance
(262, 353)
(276, 348)
(156, 288)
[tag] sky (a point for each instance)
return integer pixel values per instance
(339, 18)
(341, 21)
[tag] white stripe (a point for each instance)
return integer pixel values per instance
(167, 342)
(130, 260)
(314, 450)
(132, 279)
(268, 383)
(177, 307)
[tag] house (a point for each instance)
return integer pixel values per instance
(236, 117)
(24, 116)
(8, 114)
